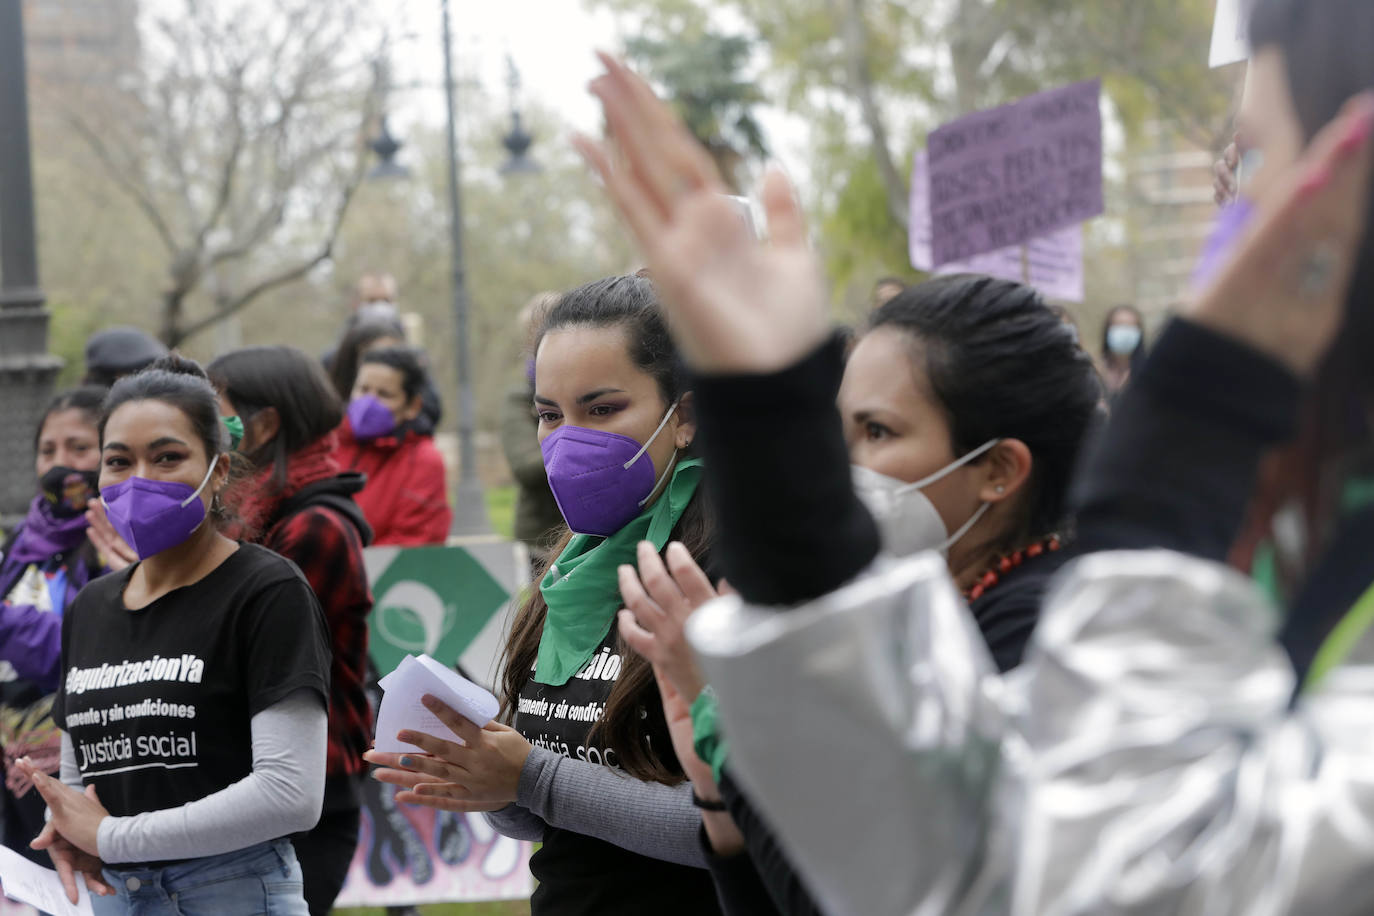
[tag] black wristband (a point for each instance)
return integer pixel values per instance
(705, 805)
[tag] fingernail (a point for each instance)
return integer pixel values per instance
(1358, 133)
(408, 763)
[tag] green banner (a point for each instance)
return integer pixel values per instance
(431, 600)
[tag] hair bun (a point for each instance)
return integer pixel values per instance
(177, 364)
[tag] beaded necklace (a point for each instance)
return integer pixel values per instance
(1007, 563)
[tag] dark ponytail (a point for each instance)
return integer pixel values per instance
(1001, 367)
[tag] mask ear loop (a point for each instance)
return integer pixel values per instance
(952, 467)
(964, 528)
(187, 501)
(662, 423)
(671, 464)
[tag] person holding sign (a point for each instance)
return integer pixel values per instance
(588, 767)
(195, 682)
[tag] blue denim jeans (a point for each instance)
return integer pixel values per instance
(262, 880)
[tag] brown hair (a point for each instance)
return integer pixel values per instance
(1325, 48)
(633, 722)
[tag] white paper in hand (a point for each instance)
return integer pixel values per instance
(38, 886)
(401, 707)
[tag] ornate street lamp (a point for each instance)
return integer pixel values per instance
(470, 511)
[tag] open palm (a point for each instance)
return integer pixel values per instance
(736, 304)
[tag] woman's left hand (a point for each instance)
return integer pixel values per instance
(76, 816)
(658, 601)
(480, 774)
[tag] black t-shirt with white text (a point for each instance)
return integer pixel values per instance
(581, 875)
(158, 701)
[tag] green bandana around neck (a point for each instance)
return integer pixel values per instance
(582, 588)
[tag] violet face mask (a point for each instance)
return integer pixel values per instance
(370, 418)
(600, 480)
(154, 515)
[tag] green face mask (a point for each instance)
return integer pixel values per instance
(234, 425)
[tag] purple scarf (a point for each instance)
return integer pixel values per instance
(44, 536)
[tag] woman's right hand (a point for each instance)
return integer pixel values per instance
(1284, 290)
(115, 554)
(70, 861)
(736, 305)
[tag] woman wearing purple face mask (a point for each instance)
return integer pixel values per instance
(405, 499)
(194, 682)
(46, 560)
(588, 767)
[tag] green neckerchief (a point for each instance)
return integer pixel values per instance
(707, 741)
(582, 588)
(1341, 641)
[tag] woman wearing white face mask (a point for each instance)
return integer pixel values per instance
(1123, 346)
(963, 408)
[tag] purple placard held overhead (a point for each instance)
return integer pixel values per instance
(1052, 263)
(1006, 175)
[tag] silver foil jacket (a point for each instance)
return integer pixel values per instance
(1146, 758)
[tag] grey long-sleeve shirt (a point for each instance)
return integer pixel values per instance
(647, 818)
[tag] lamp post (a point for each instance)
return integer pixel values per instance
(27, 370)
(470, 513)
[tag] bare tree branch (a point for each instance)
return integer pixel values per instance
(281, 277)
(133, 189)
(855, 34)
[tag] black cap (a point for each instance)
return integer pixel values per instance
(121, 351)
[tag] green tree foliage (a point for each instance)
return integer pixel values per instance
(704, 76)
(872, 77)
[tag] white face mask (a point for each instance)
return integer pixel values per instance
(906, 517)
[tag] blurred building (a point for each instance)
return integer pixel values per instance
(1172, 210)
(86, 42)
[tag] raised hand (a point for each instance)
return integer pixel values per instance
(735, 304)
(658, 601)
(1283, 291)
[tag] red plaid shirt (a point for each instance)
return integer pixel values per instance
(328, 549)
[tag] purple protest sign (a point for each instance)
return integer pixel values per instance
(1006, 175)
(1052, 263)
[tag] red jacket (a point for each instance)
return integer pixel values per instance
(406, 496)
